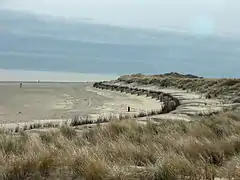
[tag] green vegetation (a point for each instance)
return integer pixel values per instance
(127, 149)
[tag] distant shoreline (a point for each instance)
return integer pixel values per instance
(45, 82)
(11, 76)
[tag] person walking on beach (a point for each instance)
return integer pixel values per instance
(20, 84)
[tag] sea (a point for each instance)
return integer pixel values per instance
(48, 76)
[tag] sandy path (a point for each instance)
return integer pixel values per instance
(61, 101)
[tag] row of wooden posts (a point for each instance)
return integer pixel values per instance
(170, 103)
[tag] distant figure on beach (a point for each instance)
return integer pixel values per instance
(129, 109)
(20, 84)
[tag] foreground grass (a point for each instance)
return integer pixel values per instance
(125, 149)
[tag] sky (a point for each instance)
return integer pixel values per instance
(197, 16)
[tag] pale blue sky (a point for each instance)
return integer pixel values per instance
(201, 16)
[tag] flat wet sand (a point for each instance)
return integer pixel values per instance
(47, 101)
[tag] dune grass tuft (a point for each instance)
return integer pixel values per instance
(126, 149)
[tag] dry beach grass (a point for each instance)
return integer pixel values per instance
(126, 149)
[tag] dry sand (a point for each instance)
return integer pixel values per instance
(61, 101)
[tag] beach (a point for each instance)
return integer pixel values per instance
(62, 101)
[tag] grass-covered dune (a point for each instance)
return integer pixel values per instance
(213, 88)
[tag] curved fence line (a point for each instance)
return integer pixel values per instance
(170, 103)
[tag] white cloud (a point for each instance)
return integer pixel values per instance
(203, 15)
